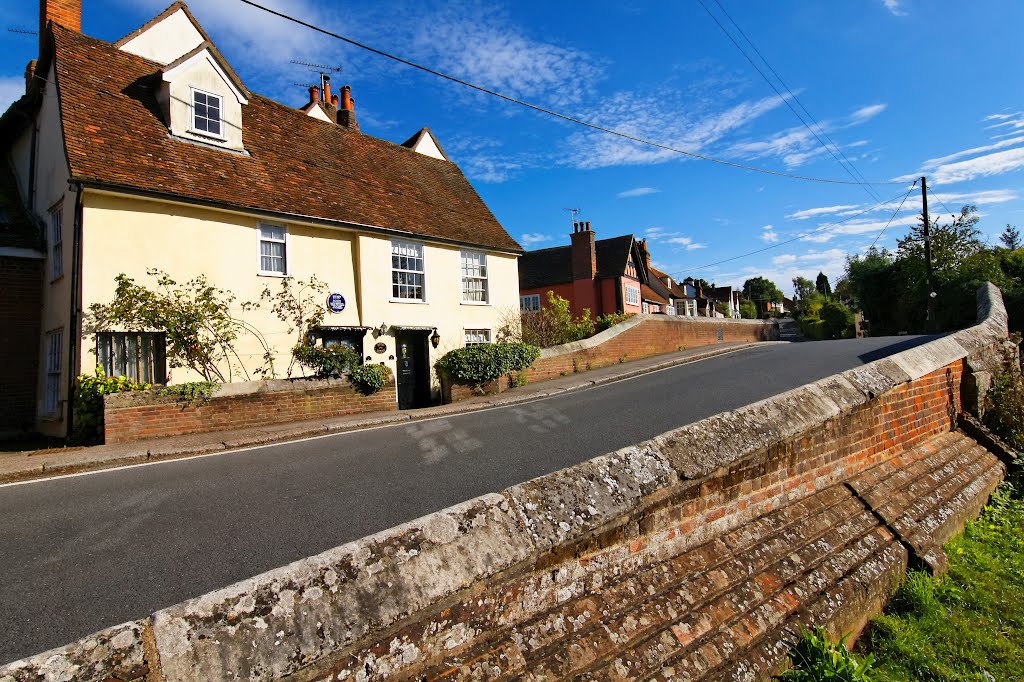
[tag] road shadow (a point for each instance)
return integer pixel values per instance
(899, 343)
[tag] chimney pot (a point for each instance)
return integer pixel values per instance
(327, 88)
(314, 94)
(30, 72)
(334, 101)
(347, 103)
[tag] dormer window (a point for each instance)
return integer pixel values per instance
(206, 113)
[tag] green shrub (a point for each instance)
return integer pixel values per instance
(816, 659)
(1004, 409)
(369, 378)
(88, 404)
(326, 361)
(554, 324)
(812, 328)
(477, 365)
(610, 320)
(194, 392)
(838, 320)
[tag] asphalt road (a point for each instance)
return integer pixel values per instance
(81, 553)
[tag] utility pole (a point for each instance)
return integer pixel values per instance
(930, 319)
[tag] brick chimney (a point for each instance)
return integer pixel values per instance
(646, 254)
(67, 13)
(347, 110)
(30, 74)
(314, 94)
(584, 252)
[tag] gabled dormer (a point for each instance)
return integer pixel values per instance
(200, 96)
(425, 143)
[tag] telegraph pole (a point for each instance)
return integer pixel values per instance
(930, 319)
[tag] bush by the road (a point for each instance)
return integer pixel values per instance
(477, 365)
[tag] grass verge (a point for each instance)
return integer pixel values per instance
(969, 625)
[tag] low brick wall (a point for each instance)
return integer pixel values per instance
(145, 414)
(642, 336)
(694, 555)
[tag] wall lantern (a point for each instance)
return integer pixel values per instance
(435, 338)
(382, 329)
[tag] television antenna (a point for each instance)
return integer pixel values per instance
(325, 71)
(573, 212)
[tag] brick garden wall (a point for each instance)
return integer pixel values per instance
(21, 281)
(138, 415)
(644, 336)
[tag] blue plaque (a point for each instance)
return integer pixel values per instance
(336, 303)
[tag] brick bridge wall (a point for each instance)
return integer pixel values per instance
(145, 414)
(695, 555)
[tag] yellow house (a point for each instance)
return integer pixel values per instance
(151, 153)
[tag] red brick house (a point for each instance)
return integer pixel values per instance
(603, 275)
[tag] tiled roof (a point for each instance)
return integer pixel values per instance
(547, 267)
(674, 291)
(294, 164)
(650, 295)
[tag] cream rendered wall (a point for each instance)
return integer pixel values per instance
(130, 235)
(202, 75)
(443, 307)
(166, 41)
(51, 191)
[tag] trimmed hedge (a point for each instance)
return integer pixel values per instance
(477, 365)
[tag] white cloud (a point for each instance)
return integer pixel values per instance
(11, 88)
(664, 117)
(769, 234)
(932, 164)
(986, 165)
(867, 113)
(530, 238)
(1002, 117)
(679, 241)
(894, 7)
(637, 192)
(784, 259)
(694, 247)
(824, 210)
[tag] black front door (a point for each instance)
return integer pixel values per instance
(413, 373)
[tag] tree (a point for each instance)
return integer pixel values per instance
(951, 242)
(822, 285)
(748, 311)
(838, 320)
(808, 300)
(761, 291)
(195, 316)
(1010, 238)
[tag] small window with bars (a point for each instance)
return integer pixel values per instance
(530, 303)
(56, 242)
(407, 271)
(206, 113)
(54, 354)
(273, 250)
(477, 337)
(474, 277)
(141, 356)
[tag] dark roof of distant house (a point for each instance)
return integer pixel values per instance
(17, 229)
(723, 294)
(547, 267)
(295, 165)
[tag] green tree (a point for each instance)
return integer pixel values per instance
(1010, 238)
(838, 320)
(761, 291)
(822, 285)
(807, 299)
(748, 311)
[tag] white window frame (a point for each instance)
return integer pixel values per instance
(632, 295)
(469, 261)
(57, 241)
(476, 337)
(259, 250)
(530, 303)
(643, 307)
(54, 372)
(192, 127)
(422, 256)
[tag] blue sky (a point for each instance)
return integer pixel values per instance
(904, 87)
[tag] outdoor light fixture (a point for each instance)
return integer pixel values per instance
(382, 329)
(435, 338)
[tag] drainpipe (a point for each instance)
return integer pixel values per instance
(75, 316)
(32, 168)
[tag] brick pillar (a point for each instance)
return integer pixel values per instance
(584, 268)
(67, 13)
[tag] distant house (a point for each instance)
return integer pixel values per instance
(729, 297)
(603, 275)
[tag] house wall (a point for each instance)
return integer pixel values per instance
(21, 281)
(166, 41)
(131, 235)
(563, 290)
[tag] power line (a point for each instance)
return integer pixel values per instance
(891, 218)
(851, 171)
(556, 114)
(790, 241)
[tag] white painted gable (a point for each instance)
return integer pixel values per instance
(428, 147)
(167, 40)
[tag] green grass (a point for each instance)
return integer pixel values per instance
(969, 625)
